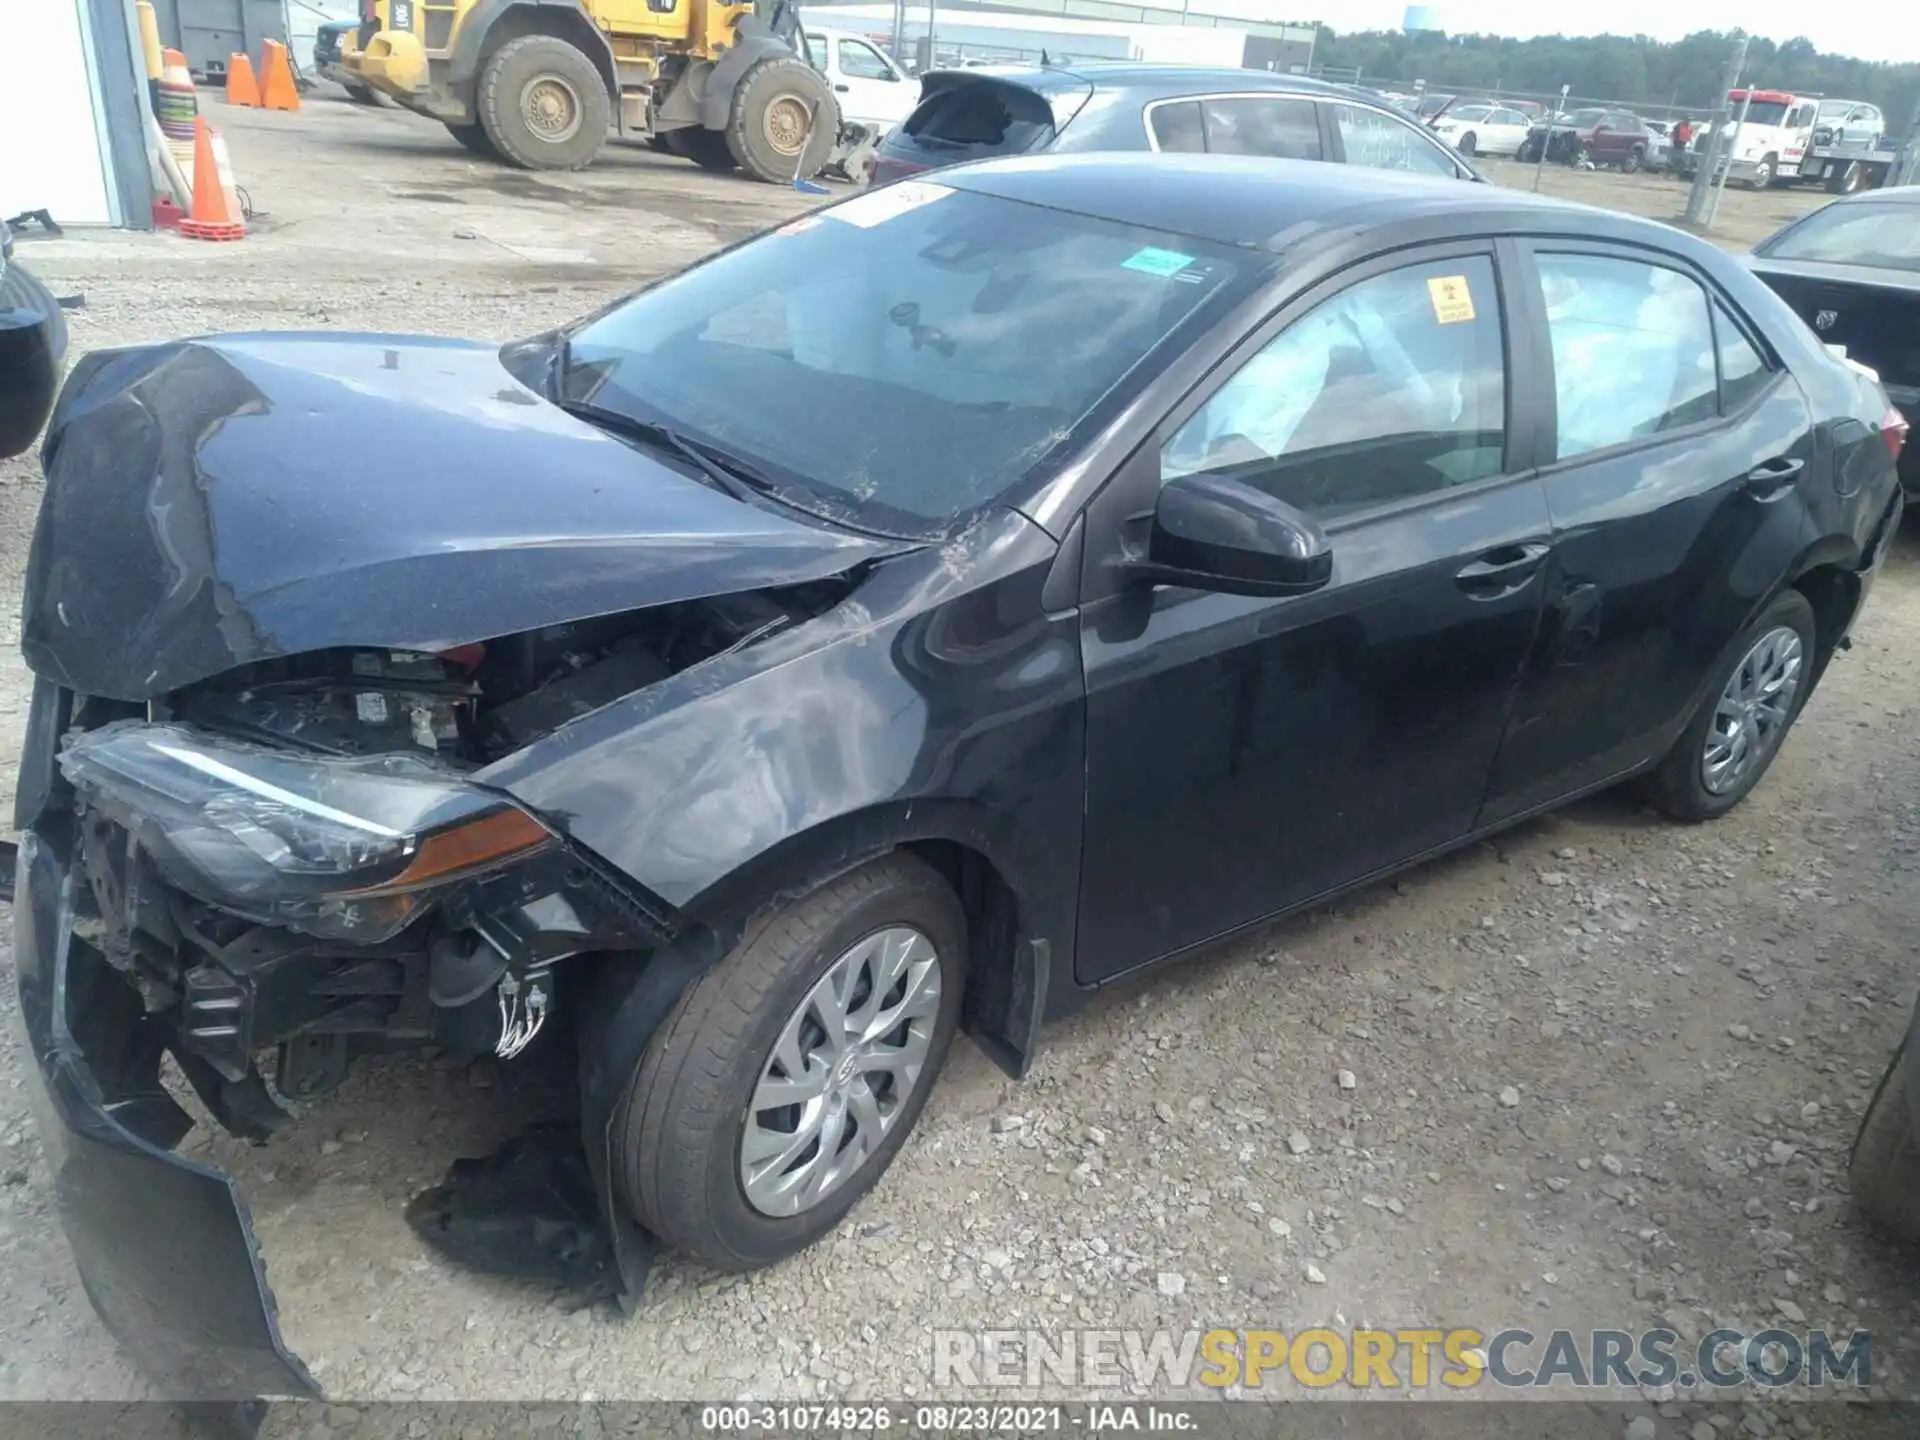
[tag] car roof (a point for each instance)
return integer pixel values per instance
(1275, 204)
(1161, 80)
(1898, 194)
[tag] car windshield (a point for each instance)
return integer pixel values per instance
(905, 358)
(1762, 112)
(1877, 236)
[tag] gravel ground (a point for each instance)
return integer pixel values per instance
(1604, 1071)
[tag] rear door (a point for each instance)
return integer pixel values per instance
(1672, 468)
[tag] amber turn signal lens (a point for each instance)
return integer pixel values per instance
(476, 845)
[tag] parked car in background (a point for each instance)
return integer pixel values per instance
(870, 89)
(1659, 154)
(928, 613)
(1482, 129)
(1883, 1170)
(1601, 136)
(33, 351)
(1851, 270)
(326, 61)
(1023, 110)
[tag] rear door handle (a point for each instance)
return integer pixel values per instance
(841, 88)
(1502, 571)
(1771, 479)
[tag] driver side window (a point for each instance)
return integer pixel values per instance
(1394, 388)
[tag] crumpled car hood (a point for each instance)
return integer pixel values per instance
(215, 502)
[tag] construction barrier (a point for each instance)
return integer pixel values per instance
(242, 88)
(277, 90)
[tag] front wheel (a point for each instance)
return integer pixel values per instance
(1739, 727)
(1763, 174)
(706, 148)
(1469, 142)
(474, 138)
(543, 104)
(788, 1077)
(1633, 161)
(783, 122)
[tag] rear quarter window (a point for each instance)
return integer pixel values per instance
(979, 118)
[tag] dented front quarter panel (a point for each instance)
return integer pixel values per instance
(278, 494)
(939, 701)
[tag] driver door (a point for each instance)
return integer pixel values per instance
(1245, 755)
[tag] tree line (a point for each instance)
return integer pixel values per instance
(1631, 69)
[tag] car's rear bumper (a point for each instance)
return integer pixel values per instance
(164, 1244)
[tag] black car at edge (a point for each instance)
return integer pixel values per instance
(1851, 270)
(910, 620)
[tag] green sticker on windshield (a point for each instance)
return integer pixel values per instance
(1154, 261)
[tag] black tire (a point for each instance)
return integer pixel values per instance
(1846, 179)
(1677, 787)
(361, 94)
(527, 64)
(1635, 158)
(1765, 173)
(1468, 142)
(1884, 1170)
(677, 1134)
(474, 138)
(763, 91)
(706, 148)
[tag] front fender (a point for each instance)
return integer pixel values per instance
(939, 701)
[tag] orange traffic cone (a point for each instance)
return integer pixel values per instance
(214, 216)
(242, 88)
(277, 91)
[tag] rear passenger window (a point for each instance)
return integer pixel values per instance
(1287, 129)
(1392, 389)
(1743, 373)
(1633, 349)
(1177, 129)
(977, 118)
(1381, 142)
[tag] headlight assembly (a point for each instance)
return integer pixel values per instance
(346, 848)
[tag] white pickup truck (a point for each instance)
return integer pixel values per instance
(869, 87)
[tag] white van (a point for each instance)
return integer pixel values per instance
(869, 87)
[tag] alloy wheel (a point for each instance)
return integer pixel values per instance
(841, 1072)
(1753, 710)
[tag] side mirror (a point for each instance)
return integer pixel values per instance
(1215, 533)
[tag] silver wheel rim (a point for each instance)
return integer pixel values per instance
(551, 108)
(847, 1061)
(1752, 712)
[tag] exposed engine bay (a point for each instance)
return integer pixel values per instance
(281, 922)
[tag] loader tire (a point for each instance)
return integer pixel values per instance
(543, 104)
(474, 138)
(768, 129)
(706, 148)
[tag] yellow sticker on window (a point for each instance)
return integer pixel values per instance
(1452, 300)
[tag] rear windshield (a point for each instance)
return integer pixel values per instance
(1877, 236)
(979, 118)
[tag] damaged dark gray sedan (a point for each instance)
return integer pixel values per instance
(906, 621)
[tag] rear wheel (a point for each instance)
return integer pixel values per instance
(474, 137)
(706, 148)
(1739, 727)
(1635, 158)
(1469, 142)
(1846, 179)
(789, 1075)
(543, 104)
(784, 121)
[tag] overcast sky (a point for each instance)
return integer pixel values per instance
(1878, 31)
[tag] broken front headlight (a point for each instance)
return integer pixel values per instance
(347, 848)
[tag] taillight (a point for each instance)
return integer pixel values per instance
(1893, 430)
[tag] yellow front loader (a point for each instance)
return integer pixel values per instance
(542, 83)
